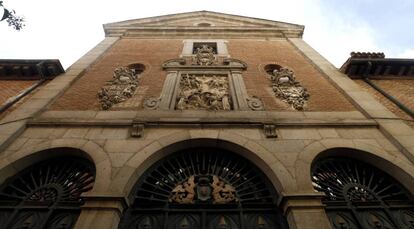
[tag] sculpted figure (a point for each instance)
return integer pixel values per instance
(122, 86)
(288, 89)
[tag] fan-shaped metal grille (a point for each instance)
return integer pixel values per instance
(249, 185)
(47, 193)
(359, 195)
(203, 188)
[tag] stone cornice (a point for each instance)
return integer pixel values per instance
(209, 32)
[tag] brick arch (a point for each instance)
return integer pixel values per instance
(257, 154)
(48, 149)
(396, 166)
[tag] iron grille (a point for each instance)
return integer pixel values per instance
(203, 188)
(359, 195)
(46, 195)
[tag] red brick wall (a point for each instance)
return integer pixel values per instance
(152, 53)
(10, 88)
(257, 54)
(401, 89)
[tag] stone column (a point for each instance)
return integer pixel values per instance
(305, 211)
(101, 212)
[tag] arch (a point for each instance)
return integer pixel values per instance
(275, 171)
(398, 167)
(359, 194)
(47, 194)
(198, 178)
(19, 160)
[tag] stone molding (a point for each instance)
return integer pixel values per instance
(114, 203)
(389, 124)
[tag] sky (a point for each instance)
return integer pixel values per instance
(66, 30)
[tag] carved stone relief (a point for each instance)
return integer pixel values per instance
(206, 189)
(204, 80)
(288, 89)
(204, 56)
(120, 88)
(203, 91)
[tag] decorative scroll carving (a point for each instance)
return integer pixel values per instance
(288, 89)
(204, 56)
(184, 193)
(255, 103)
(119, 89)
(270, 130)
(210, 92)
(151, 103)
(206, 189)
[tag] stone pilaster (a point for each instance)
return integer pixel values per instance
(305, 211)
(101, 212)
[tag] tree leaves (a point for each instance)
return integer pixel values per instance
(14, 21)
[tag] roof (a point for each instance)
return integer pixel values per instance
(375, 65)
(30, 69)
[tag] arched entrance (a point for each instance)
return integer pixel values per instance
(359, 195)
(203, 188)
(46, 194)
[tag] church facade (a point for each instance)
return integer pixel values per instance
(204, 120)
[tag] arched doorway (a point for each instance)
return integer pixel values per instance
(46, 194)
(203, 188)
(359, 195)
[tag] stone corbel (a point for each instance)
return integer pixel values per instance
(270, 130)
(235, 63)
(137, 130)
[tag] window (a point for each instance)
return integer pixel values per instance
(203, 188)
(190, 47)
(359, 195)
(200, 45)
(46, 195)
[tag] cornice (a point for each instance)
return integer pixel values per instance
(194, 32)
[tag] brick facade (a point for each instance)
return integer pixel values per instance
(152, 53)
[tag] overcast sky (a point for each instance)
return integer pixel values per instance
(66, 30)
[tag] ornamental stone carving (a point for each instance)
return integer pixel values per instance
(120, 88)
(288, 89)
(204, 56)
(255, 103)
(204, 91)
(205, 189)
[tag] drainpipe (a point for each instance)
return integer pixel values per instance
(22, 94)
(384, 93)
